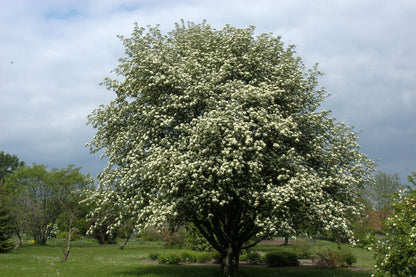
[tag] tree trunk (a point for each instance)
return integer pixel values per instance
(19, 234)
(128, 235)
(231, 260)
(18, 244)
(39, 235)
(42, 241)
(68, 246)
(39, 239)
(286, 241)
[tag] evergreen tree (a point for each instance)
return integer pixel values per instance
(6, 229)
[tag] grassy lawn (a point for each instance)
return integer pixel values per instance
(90, 259)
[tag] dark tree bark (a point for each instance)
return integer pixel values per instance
(128, 235)
(286, 240)
(229, 231)
(231, 260)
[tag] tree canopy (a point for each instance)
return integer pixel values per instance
(37, 196)
(381, 194)
(8, 163)
(221, 128)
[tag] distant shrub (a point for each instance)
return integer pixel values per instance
(254, 257)
(174, 238)
(195, 257)
(149, 234)
(188, 257)
(279, 259)
(216, 256)
(325, 259)
(243, 255)
(154, 256)
(368, 240)
(303, 248)
(349, 259)
(331, 259)
(170, 258)
(75, 236)
(62, 235)
(194, 240)
(203, 257)
(165, 234)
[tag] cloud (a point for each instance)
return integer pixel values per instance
(53, 55)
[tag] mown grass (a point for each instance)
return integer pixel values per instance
(90, 259)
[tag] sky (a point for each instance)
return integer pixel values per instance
(54, 54)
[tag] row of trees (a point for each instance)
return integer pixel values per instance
(36, 200)
(33, 200)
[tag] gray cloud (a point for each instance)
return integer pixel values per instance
(53, 55)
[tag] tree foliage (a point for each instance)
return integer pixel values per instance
(108, 216)
(396, 251)
(6, 228)
(71, 186)
(31, 196)
(381, 193)
(8, 163)
(38, 196)
(8, 222)
(221, 128)
(377, 199)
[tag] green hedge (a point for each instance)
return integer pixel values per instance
(279, 259)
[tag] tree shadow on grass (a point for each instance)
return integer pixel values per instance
(245, 271)
(172, 271)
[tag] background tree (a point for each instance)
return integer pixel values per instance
(381, 194)
(37, 197)
(23, 199)
(364, 227)
(14, 201)
(71, 186)
(8, 163)
(220, 128)
(6, 228)
(377, 199)
(395, 253)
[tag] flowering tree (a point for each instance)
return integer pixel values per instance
(396, 251)
(220, 128)
(108, 216)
